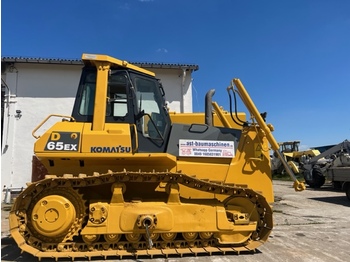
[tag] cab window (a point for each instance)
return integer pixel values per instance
(150, 101)
(117, 104)
(86, 107)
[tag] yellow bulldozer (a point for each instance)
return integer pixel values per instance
(128, 178)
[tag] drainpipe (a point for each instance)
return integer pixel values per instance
(7, 116)
(7, 153)
(183, 90)
(8, 102)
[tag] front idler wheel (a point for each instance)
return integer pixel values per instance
(56, 215)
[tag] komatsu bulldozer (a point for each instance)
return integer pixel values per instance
(128, 178)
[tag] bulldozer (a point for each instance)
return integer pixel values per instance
(128, 178)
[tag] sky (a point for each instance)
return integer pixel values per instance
(293, 56)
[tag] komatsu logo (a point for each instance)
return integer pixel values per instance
(110, 149)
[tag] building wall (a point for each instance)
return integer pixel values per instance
(177, 87)
(38, 90)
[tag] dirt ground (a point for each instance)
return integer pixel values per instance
(313, 225)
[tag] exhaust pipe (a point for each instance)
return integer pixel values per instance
(208, 107)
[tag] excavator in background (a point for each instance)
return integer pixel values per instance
(292, 154)
(332, 165)
(128, 178)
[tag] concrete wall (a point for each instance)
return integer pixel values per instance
(38, 90)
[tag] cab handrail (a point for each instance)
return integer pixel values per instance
(45, 120)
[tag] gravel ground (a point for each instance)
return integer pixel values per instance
(313, 225)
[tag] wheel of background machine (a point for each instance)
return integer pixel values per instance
(318, 177)
(308, 181)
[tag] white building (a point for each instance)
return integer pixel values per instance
(32, 89)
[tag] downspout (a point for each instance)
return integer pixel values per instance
(9, 101)
(6, 146)
(183, 90)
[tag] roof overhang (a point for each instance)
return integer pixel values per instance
(191, 67)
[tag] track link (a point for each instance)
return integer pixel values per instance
(71, 248)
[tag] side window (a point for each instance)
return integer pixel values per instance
(116, 95)
(86, 107)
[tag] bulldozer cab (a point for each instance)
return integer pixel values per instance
(124, 95)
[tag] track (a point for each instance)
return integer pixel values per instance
(65, 241)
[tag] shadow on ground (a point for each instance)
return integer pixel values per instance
(338, 200)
